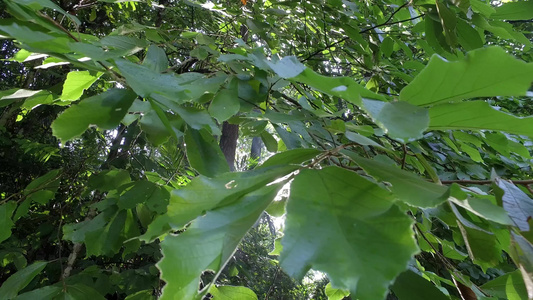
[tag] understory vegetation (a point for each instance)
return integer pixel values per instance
(260, 149)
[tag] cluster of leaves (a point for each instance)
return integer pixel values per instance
(402, 128)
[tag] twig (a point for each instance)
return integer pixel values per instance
(367, 29)
(404, 155)
(520, 182)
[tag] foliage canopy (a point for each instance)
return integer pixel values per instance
(400, 130)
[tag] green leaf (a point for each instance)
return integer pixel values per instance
(76, 232)
(520, 10)
(209, 242)
(483, 247)
(46, 292)
(483, 72)
(516, 203)
(296, 156)
(156, 59)
(127, 45)
(482, 206)
(225, 104)
(205, 193)
(343, 87)
(287, 67)
(508, 286)
(204, 154)
(277, 208)
(107, 240)
(400, 120)
(448, 21)
(228, 292)
(76, 83)
(270, 142)
(40, 4)
(335, 294)
(339, 223)
(16, 282)
(522, 254)
(477, 115)
(109, 180)
(468, 37)
(105, 110)
(149, 193)
(6, 212)
(149, 83)
(407, 186)
(411, 286)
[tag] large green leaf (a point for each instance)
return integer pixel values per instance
(204, 154)
(483, 72)
(411, 286)
(520, 10)
(400, 120)
(209, 242)
(348, 227)
(407, 186)
(477, 115)
(105, 110)
(76, 83)
(20, 280)
(205, 193)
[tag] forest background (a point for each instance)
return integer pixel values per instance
(229, 149)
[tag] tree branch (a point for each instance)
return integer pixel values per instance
(367, 29)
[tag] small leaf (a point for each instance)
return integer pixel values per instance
(76, 83)
(516, 203)
(295, 156)
(343, 87)
(228, 292)
(156, 59)
(6, 223)
(16, 282)
(225, 104)
(270, 142)
(335, 294)
(287, 67)
(400, 120)
(105, 110)
(204, 154)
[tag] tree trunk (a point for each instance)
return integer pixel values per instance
(228, 143)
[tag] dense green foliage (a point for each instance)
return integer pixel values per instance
(400, 131)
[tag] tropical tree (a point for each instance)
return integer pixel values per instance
(397, 148)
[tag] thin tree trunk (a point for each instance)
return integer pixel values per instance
(228, 142)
